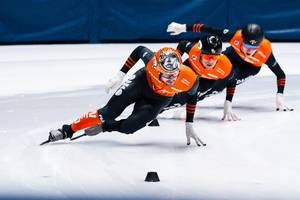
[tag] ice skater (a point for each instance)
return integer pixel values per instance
(207, 61)
(249, 50)
(150, 89)
(205, 58)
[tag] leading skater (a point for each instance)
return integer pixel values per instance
(249, 50)
(205, 58)
(150, 89)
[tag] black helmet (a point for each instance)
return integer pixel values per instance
(253, 34)
(211, 44)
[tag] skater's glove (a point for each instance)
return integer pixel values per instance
(114, 81)
(228, 114)
(191, 133)
(280, 104)
(175, 28)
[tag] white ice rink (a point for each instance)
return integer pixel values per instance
(44, 86)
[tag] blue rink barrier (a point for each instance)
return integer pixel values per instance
(44, 21)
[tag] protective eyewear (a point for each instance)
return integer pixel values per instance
(170, 76)
(210, 56)
(249, 46)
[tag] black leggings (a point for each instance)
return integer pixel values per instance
(147, 105)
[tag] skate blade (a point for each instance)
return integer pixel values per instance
(47, 141)
(78, 136)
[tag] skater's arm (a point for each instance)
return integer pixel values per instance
(184, 46)
(176, 28)
(228, 113)
(230, 89)
(190, 132)
(191, 102)
(139, 52)
(276, 69)
(224, 34)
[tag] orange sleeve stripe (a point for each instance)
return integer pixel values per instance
(281, 82)
(128, 65)
(232, 92)
(194, 28)
(190, 112)
(129, 58)
(190, 108)
(197, 27)
(130, 61)
(231, 88)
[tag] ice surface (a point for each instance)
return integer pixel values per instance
(44, 86)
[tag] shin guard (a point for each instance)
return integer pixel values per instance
(87, 120)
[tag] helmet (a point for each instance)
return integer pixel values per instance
(253, 34)
(211, 44)
(168, 60)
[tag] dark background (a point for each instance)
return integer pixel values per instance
(95, 21)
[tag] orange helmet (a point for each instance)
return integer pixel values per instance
(167, 60)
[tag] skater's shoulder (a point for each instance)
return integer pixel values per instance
(187, 75)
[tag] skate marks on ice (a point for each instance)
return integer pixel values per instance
(241, 159)
(255, 96)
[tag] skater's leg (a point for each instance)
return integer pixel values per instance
(143, 113)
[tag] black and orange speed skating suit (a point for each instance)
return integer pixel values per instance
(243, 66)
(210, 80)
(144, 89)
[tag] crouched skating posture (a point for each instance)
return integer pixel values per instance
(150, 89)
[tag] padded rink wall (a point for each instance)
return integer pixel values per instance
(96, 21)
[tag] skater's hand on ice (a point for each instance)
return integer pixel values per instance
(114, 81)
(191, 133)
(280, 104)
(175, 28)
(228, 114)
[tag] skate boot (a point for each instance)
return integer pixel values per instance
(60, 134)
(55, 135)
